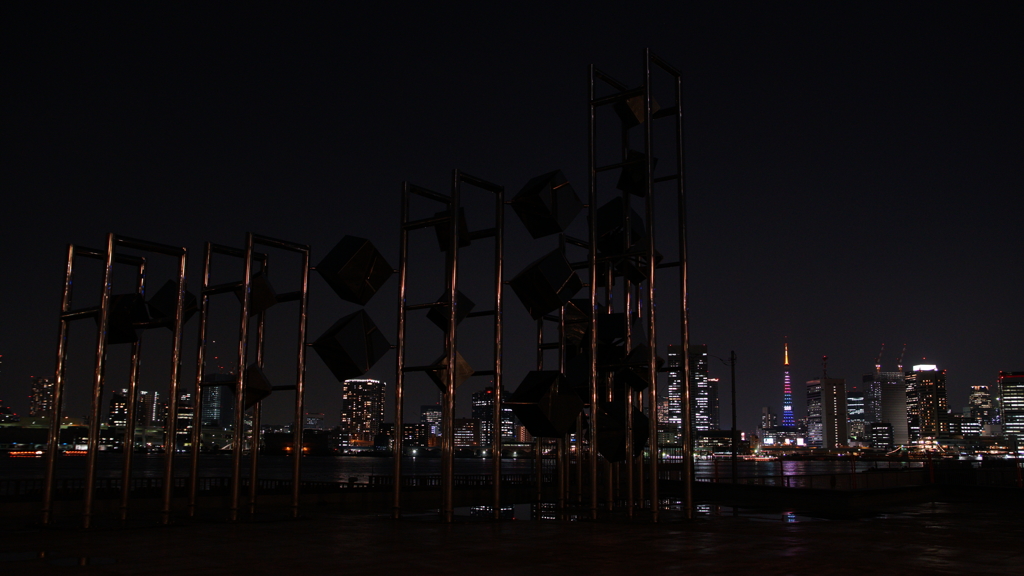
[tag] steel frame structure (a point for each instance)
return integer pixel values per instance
(302, 296)
(101, 313)
(204, 313)
(452, 203)
(621, 94)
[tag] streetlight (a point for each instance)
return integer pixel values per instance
(731, 362)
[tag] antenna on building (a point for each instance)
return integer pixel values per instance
(878, 359)
(899, 363)
(824, 367)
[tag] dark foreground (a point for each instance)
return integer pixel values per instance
(933, 538)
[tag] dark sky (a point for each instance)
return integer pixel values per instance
(854, 171)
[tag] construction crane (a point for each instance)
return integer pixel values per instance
(878, 359)
(899, 363)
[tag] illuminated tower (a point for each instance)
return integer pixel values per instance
(926, 402)
(1011, 400)
(787, 394)
(41, 398)
(703, 391)
(362, 409)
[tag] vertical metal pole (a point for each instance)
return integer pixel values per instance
(197, 416)
(97, 386)
(403, 254)
(499, 258)
(254, 443)
(448, 408)
(627, 240)
(735, 439)
(652, 391)
(131, 405)
(579, 459)
(56, 410)
(560, 471)
(171, 425)
(630, 459)
(243, 340)
(300, 382)
(684, 309)
(609, 380)
(538, 445)
(592, 265)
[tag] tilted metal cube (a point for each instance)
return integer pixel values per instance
(547, 204)
(462, 371)
(163, 304)
(355, 270)
(351, 346)
(546, 405)
(439, 314)
(546, 284)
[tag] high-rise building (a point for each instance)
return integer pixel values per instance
(362, 409)
(218, 400)
(981, 407)
(856, 414)
(467, 432)
(881, 435)
(826, 413)
(703, 391)
(787, 393)
(891, 394)
(430, 414)
(673, 417)
(768, 419)
(117, 416)
(870, 388)
(186, 418)
(483, 410)
(41, 398)
(926, 402)
(149, 411)
(1011, 403)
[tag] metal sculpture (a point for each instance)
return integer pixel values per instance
(607, 342)
(628, 250)
(131, 315)
(250, 384)
(452, 234)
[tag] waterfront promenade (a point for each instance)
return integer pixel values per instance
(932, 538)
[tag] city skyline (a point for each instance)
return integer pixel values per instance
(849, 173)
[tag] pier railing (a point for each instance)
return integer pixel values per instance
(21, 489)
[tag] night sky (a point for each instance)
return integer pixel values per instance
(854, 173)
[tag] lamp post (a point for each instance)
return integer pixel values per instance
(734, 441)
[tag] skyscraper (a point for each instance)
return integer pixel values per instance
(856, 413)
(673, 417)
(41, 398)
(362, 409)
(483, 410)
(826, 413)
(892, 404)
(871, 388)
(218, 400)
(1011, 400)
(430, 414)
(926, 402)
(118, 411)
(787, 393)
(148, 410)
(703, 392)
(982, 407)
